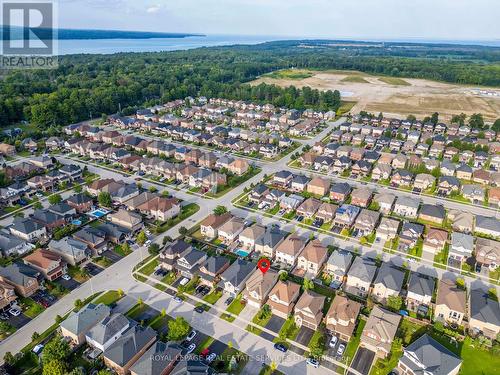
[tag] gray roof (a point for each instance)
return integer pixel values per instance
(426, 356)
(108, 327)
(19, 273)
(45, 216)
(125, 191)
(421, 285)
(69, 246)
(238, 272)
(214, 264)
(391, 277)
(271, 237)
(436, 211)
(79, 198)
(408, 202)
(26, 225)
(191, 365)
(156, 358)
(9, 241)
(91, 235)
(86, 318)
(363, 269)
(342, 259)
(488, 223)
(483, 308)
(61, 208)
(129, 344)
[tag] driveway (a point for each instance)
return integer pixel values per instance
(112, 256)
(217, 347)
(248, 312)
(18, 321)
(304, 336)
(68, 284)
(363, 360)
(93, 269)
(274, 324)
(147, 314)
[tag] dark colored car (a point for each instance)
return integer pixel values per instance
(280, 347)
(199, 309)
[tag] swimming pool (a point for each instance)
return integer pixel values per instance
(100, 212)
(76, 222)
(241, 252)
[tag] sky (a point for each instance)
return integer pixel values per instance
(352, 19)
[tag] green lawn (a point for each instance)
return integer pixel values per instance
(78, 274)
(221, 364)
(261, 319)
(235, 308)
(441, 258)
(149, 268)
(136, 310)
(477, 360)
(394, 81)
(212, 297)
(102, 261)
(186, 211)
(108, 298)
(289, 330)
(121, 251)
(33, 309)
(384, 366)
(354, 79)
(317, 343)
(353, 344)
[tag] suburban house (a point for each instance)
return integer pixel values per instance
(250, 235)
(337, 265)
(423, 181)
(311, 259)
(80, 202)
(462, 246)
(23, 278)
(210, 225)
(340, 191)
(360, 277)
(435, 241)
(27, 229)
(159, 359)
(93, 238)
(107, 331)
(211, 270)
(488, 253)
(283, 178)
(76, 326)
(361, 197)
(309, 310)
(126, 219)
(432, 213)
(7, 296)
(366, 222)
(346, 215)
(427, 356)
(48, 263)
(282, 298)
(289, 250)
(420, 291)
(169, 255)
(258, 286)
(484, 314)
(409, 236)
(389, 282)
(326, 211)
(309, 207)
(487, 225)
(234, 277)
(160, 208)
(189, 263)
(341, 317)
(407, 207)
(318, 186)
(12, 245)
(128, 348)
(267, 244)
(299, 183)
(385, 202)
(379, 331)
(451, 302)
(388, 229)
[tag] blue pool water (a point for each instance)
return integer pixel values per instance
(241, 252)
(99, 213)
(76, 222)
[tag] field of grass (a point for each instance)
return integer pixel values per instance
(354, 79)
(394, 81)
(136, 310)
(33, 309)
(479, 361)
(108, 298)
(234, 308)
(149, 268)
(290, 74)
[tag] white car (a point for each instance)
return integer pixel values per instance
(314, 363)
(191, 348)
(66, 277)
(211, 357)
(148, 232)
(38, 349)
(147, 243)
(14, 312)
(341, 349)
(191, 335)
(178, 299)
(184, 281)
(333, 341)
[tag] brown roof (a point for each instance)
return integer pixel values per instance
(315, 252)
(261, 283)
(437, 234)
(450, 295)
(311, 301)
(99, 184)
(42, 258)
(342, 308)
(494, 192)
(320, 182)
(158, 204)
(239, 163)
(285, 291)
(292, 245)
(215, 221)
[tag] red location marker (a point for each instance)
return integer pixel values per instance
(264, 265)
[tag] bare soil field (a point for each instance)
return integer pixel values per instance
(396, 97)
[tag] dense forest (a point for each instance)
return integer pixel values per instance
(90, 85)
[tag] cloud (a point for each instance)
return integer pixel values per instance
(154, 9)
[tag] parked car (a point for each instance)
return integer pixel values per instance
(66, 277)
(313, 362)
(341, 349)
(199, 309)
(211, 357)
(191, 335)
(333, 341)
(229, 300)
(184, 281)
(14, 311)
(178, 299)
(280, 347)
(191, 348)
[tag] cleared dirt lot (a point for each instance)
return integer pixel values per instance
(409, 96)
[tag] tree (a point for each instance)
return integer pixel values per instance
(78, 304)
(154, 249)
(434, 118)
(163, 312)
(141, 238)
(9, 359)
(78, 188)
(54, 367)
(56, 349)
(411, 118)
(459, 119)
(496, 125)
(59, 319)
(55, 199)
(476, 121)
(35, 336)
(220, 210)
(120, 293)
(153, 189)
(183, 231)
(104, 199)
(308, 284)
(104, 372)
(178, 328)
(395, 302)
(283, 276)
(37, 205)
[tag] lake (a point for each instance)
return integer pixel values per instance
(107, 46)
